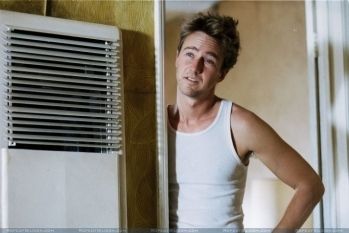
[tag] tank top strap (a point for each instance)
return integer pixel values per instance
(226, 116)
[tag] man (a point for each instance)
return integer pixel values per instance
(211, 139)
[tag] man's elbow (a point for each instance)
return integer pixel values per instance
(315, 189)
(319, 190)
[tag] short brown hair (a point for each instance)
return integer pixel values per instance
(221, 28)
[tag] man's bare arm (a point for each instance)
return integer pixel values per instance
(257, 136)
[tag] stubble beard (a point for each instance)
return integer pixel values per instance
(193, 93)
(189, 92)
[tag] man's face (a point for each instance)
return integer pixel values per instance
(198, 65)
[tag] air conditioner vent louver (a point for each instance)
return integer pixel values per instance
(62, 92)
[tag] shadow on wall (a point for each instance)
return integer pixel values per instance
(139, 84)
(139, 76)
(171, 40)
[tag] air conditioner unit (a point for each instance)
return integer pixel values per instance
(61, 127)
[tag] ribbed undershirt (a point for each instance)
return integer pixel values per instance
(206, 176)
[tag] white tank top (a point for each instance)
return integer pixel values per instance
(206, 176)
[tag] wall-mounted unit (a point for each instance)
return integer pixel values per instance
(61, 123)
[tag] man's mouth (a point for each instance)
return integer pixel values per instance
(192, 79)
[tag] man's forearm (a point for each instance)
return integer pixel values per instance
(302, 204)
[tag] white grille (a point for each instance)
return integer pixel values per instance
(62, 92)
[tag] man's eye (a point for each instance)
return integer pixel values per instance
(211, 62)
(189, 54)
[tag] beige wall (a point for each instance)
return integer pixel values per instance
(270, 79)
(135, 18)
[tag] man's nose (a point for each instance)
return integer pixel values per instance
(198, 65)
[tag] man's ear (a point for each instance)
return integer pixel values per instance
(223, 74)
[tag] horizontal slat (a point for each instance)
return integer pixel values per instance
(11, 34)
(53, 104)
(58, 65)
(61, 112)
(63, 60)
(112, 76)
(71, 125)
(84, 132)
(83, 79)
(113, 146)
(58, 98)
(66, 86)
(64, 118)
(63, 138)
(60, 47)
(70, 93)
(58, 54)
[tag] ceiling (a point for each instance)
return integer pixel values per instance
(180, 7)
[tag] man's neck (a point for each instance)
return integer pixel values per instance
(194, 109)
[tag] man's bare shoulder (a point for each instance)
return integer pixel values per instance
(243, 124)
(242, 117)
(250, 130)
